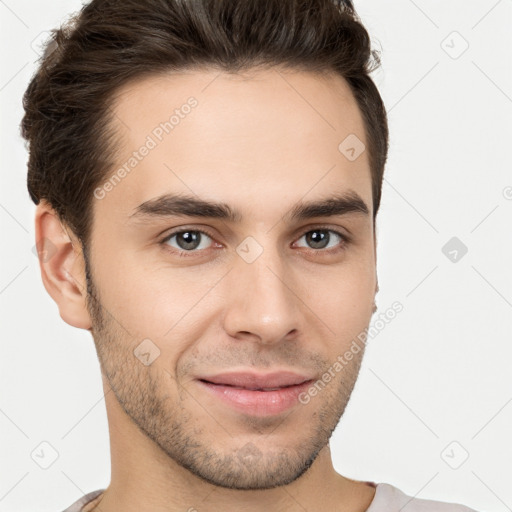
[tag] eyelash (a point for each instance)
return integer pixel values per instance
(345, 241)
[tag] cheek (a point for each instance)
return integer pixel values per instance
(154, 301)
(345, 302)
(346, 312)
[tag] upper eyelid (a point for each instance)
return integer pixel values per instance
(184, 230)
(343, 232)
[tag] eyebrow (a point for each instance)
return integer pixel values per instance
(182, 205)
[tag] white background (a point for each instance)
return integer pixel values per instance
(438, 373)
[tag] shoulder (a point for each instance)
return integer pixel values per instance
(78, 506)
(390, 499)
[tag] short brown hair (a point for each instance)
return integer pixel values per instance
(111, 42)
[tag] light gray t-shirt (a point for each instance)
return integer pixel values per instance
(387, 499)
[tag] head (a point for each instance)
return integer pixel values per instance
(261, 121)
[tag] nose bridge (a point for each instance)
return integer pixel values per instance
(263, 301)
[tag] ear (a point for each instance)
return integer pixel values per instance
(62, 266)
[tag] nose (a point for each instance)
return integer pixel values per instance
(265, 301)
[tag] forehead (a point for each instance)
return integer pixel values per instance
(267, 137)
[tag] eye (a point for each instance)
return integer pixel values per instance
(321, 239)
(187, 240)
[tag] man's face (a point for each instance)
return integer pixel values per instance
(264, 293)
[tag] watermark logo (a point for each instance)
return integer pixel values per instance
(454, 45)
(249, 453)
(146, 352)
(44, 249)
(43, 44)
(249, 249)
(454, 249)
(352, 147)
(44, 455)
(455, 455)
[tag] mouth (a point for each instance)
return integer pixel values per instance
(257, 395)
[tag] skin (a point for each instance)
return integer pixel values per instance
(260, 142)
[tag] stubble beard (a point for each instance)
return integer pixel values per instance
(168, 422)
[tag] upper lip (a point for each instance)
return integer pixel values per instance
(253, 380)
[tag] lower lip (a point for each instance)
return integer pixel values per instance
(258, 403)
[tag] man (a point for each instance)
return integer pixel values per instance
(207, 177)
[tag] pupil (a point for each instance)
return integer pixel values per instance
(190, 239)
(314, 238)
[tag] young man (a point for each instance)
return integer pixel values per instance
(207, 177)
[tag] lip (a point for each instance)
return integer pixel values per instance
(253, 380)
(255, 394)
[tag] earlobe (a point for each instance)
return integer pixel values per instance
(62, 266)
